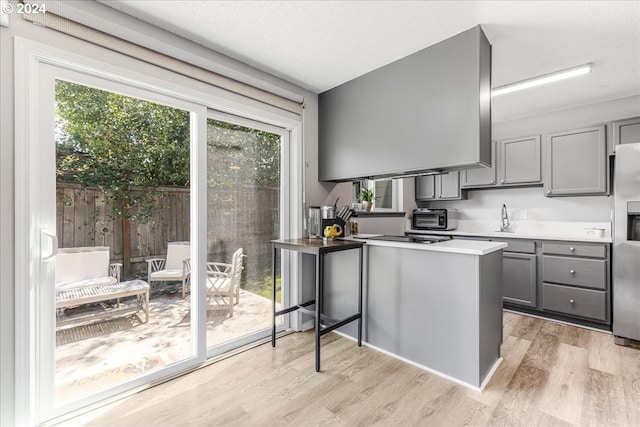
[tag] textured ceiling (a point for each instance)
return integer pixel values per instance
(321, 44)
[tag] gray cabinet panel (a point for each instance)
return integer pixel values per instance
(574, 301)
(427, 111)
(589, 273)
(626, 131)
(481, 177)
(444, 186)
(575, 249)
(576, 162)
(520, 160)
(426, 187)
(521, 246)
(448, 320)
(448, 186)
(519, 278)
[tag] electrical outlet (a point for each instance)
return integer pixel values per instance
(524, 214)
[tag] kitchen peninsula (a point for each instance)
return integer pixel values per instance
(438, 306)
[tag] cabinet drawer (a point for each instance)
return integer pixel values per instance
(574, 301)
(521, 246)
(590, 273)
(596, 251)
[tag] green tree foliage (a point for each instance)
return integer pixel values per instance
(114, 142)
(238, 155)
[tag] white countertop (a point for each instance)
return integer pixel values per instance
(538, 230)
(467, 247)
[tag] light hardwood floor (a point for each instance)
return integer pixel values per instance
(552, 375)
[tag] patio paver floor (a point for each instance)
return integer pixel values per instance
(98, 355)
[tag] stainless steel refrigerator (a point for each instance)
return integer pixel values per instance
(626, 244)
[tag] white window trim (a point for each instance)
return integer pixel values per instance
(101, 63)
(396, 195)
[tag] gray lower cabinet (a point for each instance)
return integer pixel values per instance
(576, 280)
(519, 269)
(626, 131)
(444, 186)
(573, 301)
(519, 278)
(562, 279)
(576, 163)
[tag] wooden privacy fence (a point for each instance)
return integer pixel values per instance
(246, 216)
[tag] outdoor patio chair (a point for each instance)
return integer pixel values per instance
(175, 267)
(223, 280)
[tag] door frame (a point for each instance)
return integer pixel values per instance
(30, 56)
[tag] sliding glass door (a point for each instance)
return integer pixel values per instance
(245, 210)
(143, 222)
(114, 278)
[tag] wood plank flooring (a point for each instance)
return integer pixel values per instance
(552, 375)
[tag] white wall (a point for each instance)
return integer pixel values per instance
(24, 29)
(569, 119)
(7, 335)
(486, 204)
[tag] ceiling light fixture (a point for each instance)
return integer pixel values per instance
(543, 79)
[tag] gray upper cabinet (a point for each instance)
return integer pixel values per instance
(426, 187)
(481, 177)
(576, 162)
(445, 186)
(626, 131)
(427, 112)
(520, 161)
(515, 162)
(448, 186)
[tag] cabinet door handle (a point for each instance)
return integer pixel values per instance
(572, 271)
(549, 192)
(572, 249)
(502, 181)
(571, 301)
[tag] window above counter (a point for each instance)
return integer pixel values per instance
(387, 195)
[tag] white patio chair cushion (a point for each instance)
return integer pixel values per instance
(169, 274)
(78, 264)
(76, 284)
(176, 253)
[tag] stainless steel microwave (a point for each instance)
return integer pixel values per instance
(434, 219)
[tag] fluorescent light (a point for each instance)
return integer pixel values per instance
(542, 80)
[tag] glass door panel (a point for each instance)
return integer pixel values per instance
(123, 230)
(244, 212)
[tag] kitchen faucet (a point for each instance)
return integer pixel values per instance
(504, 219)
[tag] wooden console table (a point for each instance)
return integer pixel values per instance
(322, 324)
